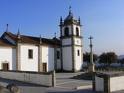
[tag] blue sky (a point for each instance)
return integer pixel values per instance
(103, 19)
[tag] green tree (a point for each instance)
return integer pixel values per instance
(108, 58)
(121, 61)
(86, 57)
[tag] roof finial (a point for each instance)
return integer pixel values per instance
(61, 20)
(79, 20)
(40, 39)
(70, 12)
(18, 34)
(55, 34)
(7, 27)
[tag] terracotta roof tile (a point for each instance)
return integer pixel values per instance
(5, 43)
(33, 40)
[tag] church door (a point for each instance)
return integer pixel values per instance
(44, 67)
(5, 66)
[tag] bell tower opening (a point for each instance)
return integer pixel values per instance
(77, 31)
(66, 31)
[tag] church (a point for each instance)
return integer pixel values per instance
(29, 53)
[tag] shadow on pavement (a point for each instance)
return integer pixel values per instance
(20, 83)
(76, 91)
(84, 76)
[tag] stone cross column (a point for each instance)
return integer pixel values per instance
(91, 67)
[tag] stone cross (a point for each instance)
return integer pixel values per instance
(91, 65)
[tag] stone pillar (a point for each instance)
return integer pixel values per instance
(73, 50)
(40, 58)
(106, 84)
(93, 82)
(18, 49)
(55, 58)
(53, 78)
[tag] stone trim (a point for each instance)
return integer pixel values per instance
(61, 47)
(18, 63)
(61, 58)
(71, 45)
(73, 55)
(81, 50)
(70, 36)
(55, 58)
(52, 46)
(106, 85)
(93, 82)
(39, 58)
(32, 72)
(110, 74)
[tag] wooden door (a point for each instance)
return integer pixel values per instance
(5, 66)
(44, 67)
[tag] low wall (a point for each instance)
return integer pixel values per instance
(109, 82)
(40, 78)
(117, 83)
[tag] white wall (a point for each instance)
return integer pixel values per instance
(48, 57)
(8, 55)
(66, 41)
(36, 78)
(99, 84)
(78, 59)
(26, 63)
(116, 83)
(67, 58)
(77, 41)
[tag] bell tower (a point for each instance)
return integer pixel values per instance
(71, 43)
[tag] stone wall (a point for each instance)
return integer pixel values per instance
(117, 83)
(30, 77)
(109, 82)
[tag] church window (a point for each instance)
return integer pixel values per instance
(78, 52)
(58, 55)
(77, 31)
(66, 31)
(30, 54)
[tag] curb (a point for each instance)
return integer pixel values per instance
(76, 88)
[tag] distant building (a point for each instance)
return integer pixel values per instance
(28, 53)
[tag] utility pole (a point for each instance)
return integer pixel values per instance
(91, 67)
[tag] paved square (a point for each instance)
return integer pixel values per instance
(65, 84)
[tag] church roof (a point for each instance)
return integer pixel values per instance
(5, 43)
(32, 39)
(70, 19)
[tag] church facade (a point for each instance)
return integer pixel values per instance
(28, 53)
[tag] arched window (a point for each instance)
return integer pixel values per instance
(66, 31)
(77, 31)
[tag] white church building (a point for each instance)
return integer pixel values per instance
(29, 53)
